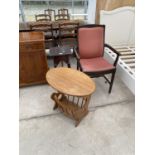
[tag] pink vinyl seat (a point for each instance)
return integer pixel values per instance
(95, 65)
(90, 53)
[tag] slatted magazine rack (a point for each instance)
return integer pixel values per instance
(74, 90)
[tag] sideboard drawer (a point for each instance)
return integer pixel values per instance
(31, 46)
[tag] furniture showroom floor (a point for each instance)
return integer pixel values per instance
(108, 129)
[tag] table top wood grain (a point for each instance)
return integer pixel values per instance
(70, 81)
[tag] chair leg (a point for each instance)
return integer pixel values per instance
(112, 80)
(55, 64)
(77, 65)
(55, 106)
(68, 63)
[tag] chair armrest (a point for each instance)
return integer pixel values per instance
(110, 47)
(116, 52)
(76, 53)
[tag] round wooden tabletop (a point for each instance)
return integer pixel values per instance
(70, 81)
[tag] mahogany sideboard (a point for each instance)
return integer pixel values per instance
(32, 59)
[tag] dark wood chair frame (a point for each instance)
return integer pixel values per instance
(62, 17)
(42, 27)
(100, 73)
(50, 12)
(63, 11)
(71, 26)
(43, 17)
(62, 14)
(66, 27)
(45, 27)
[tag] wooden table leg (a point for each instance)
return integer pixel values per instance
(66, 60)
(68, 63)
(77, 123)
(60, 59)
(55, 106)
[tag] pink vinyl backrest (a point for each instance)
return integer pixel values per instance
(91, 42)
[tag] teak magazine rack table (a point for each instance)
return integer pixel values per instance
(74, 90)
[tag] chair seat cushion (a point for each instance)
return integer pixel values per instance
(95, 65)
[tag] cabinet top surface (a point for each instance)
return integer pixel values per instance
(70, 81)
(31, 36)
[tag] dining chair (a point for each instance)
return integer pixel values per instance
(48, 32)
(90, 53)
(50, 12)
(43, 17)
(67, 39)
(63, 11)
(68, 34)
(62, 17)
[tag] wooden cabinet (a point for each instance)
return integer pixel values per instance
(32, 58)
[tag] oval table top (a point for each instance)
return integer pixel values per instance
(70, 81)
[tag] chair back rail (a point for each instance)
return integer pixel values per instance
(47, 28)
(43, 17)
(50, 12)
(68, 33)
(62, 17)
(63, 11)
